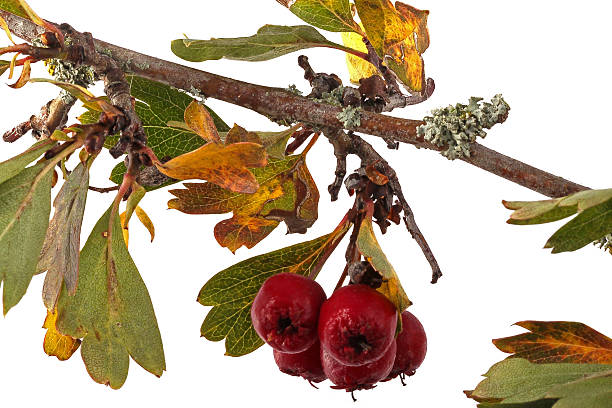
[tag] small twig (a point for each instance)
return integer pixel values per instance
(104, 189)
(353, 144)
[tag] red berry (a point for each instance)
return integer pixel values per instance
(357, 325)
(411, 346)
(363, 377)
(285, 312)
(306, 364)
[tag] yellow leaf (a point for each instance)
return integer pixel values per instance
(124, 228)
(399, 36)
(358, 67)
(199, 120)
(226, 166)
(146, 221)
(31, 13)
(25, 76)
(55, 343)
(6, 29)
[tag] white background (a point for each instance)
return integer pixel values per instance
(550, 60)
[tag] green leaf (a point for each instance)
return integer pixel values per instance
(13, 6)
(593, 392)
(60, 252)
(157, 105)
(111, 309)
(271, 41)
(517, 381)
(15, 165)
(276, 142)
(25, 204)
(588, 226)
(594, 220)
(231, 291)
(373, 253)
(330, 15)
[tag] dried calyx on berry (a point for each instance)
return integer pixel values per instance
(363, 273)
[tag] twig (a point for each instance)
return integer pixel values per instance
(277, 103)
(104, 189)
(353, 144)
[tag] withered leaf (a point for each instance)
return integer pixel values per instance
(558, 342)
(55, 343)
(370, 249)
(60, 252)
(226, 166)
(238, 134)
(232, 290)
(201, 122)
(287, 193)
(111, 309)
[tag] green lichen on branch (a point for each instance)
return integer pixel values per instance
(350, 117)
(65, 71)
(457, 127)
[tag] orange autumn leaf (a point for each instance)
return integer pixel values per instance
(225, 166)
(55, 343)
(399, 35)
(558, 342)
(201, 122)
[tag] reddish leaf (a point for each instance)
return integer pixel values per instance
(558, 342)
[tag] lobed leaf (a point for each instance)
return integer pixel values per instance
(558, 342)
(25, 204)
(226, 166)
(399, 36)
(111, 309)
(231, 291)
(517, 381)
(286, 193)
(271, 41)
(60, 251)
(330, 15)
(370, 249)
(157, 105)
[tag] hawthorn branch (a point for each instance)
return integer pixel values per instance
(279, 104)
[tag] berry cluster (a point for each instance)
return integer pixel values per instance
(349, 338)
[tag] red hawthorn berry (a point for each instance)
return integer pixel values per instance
(306, 364)
(357, 325)
(411, 346)
(285, 312)
(362, 377)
